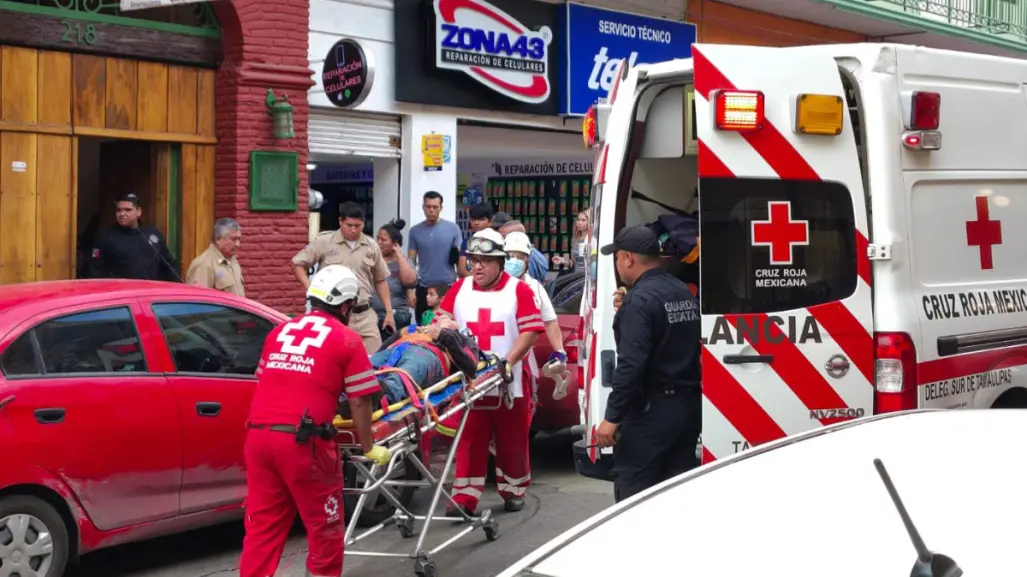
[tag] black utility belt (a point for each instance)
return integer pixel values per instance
(360, 308)
(306, 429)
(290, 429)
(683, 393)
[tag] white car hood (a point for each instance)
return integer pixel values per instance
(818, 507)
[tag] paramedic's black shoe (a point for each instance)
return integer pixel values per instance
(513, 504)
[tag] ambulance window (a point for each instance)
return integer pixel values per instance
(772, 245)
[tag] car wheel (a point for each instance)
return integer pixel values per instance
(377, 508)
(33, 538)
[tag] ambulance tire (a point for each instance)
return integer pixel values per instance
(375, 513)
(43, 518)
(1011, 399)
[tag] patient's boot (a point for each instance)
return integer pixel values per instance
(513, 504)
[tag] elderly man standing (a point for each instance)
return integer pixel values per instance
(538, 266)
(217, 267)
(350, 247)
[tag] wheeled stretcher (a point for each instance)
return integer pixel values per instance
(406, 428)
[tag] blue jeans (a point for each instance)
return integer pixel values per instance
(422, 364)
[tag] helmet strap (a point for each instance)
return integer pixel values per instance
(495, 279)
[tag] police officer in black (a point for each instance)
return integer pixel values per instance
(131, 249)
(653, 415)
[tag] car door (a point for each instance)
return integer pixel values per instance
(785, 278)
(89, 409)
(213, 348)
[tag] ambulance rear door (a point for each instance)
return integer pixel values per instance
(785, 279)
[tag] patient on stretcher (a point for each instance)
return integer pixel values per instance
(418, 357)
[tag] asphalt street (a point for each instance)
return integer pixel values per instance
(558, 499)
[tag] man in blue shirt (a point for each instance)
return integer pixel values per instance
(538, 264)
(435, 249)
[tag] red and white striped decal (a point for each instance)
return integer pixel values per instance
(756, 406)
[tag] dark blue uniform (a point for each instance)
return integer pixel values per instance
(132, 253)
(656, 397)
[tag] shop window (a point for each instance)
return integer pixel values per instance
(773, 245)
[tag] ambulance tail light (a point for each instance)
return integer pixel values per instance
(895, 373)
(739, 110)
(922, 112)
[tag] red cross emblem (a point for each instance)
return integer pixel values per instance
(484, 329)
(303, 333)
(984, 233)
(780, 233)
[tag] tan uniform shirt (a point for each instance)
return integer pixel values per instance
(365, 259)
(212, 269)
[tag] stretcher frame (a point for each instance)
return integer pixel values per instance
(404, 444)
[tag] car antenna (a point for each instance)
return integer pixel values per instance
(927, 564)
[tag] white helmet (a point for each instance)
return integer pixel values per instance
(334, 285)
(517, 242)
(487, 242)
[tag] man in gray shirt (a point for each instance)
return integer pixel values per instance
(435, 248)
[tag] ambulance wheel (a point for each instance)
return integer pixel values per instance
(379, 509)
(1011, 399)
(33, 538)
(425, 568)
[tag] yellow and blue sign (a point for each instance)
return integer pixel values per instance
(596, 39)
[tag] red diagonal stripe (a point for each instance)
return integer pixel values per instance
(707, 456)
(849, 333)
(710, 165)
(808, 384)
(862, 260)
(735, 403)
(775, 149)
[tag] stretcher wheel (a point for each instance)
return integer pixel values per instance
(491, 528)
(425, 568)
(379, 510)
(406, 528)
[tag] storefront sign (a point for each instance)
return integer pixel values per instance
(341, 174)
(595, 40)
(347, 74)
(492, 47)
(127, 5)
(432, 146)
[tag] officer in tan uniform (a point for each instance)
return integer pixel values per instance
(217, 267)
(350, 247)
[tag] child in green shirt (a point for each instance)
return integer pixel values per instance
(434, 298)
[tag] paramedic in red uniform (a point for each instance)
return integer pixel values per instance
(500, 311)
(292, 465)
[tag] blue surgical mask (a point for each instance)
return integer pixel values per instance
(514, 267)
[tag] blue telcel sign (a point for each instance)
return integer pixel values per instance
(595, 39)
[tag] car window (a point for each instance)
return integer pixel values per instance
(212, 339)
(100, 341)
(567, 292)
(772, 245)
(20, 359)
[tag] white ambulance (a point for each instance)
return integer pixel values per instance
(863, 222)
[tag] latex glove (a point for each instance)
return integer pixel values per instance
(380, 455)
(506, 371)
(558, 356)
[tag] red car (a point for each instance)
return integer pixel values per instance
(553, 415)
(122, 411)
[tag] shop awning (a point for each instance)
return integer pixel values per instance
(996, 27)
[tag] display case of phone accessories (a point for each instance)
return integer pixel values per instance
(547, 206)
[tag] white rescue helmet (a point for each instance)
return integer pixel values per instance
(487, 242)
(517, 242)
(334, 285)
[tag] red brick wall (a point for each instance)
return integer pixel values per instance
(265, 47)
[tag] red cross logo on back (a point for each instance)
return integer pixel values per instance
(484, 329)
(780, 233)
(984, 233)
(308, 331)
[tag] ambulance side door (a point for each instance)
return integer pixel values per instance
(787, 319)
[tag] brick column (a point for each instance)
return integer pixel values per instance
(265, 46)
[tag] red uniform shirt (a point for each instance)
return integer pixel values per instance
(529, 319)
(306, 364)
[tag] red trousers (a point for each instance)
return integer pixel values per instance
(282, 479)
(509, 428)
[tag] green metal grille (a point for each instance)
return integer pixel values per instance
(198, 18)
(996, 22)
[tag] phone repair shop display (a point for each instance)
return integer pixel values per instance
(548, 207)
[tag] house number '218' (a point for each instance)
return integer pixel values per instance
(77, 34)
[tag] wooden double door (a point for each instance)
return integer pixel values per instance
(156, 124)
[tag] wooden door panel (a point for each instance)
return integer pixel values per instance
(56, 218)
(197, 190)
(17, 207)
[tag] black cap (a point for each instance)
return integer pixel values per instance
(499, 219)
(129, 197)
(478, 211)
(638, 239)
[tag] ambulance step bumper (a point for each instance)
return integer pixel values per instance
(601, 469)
